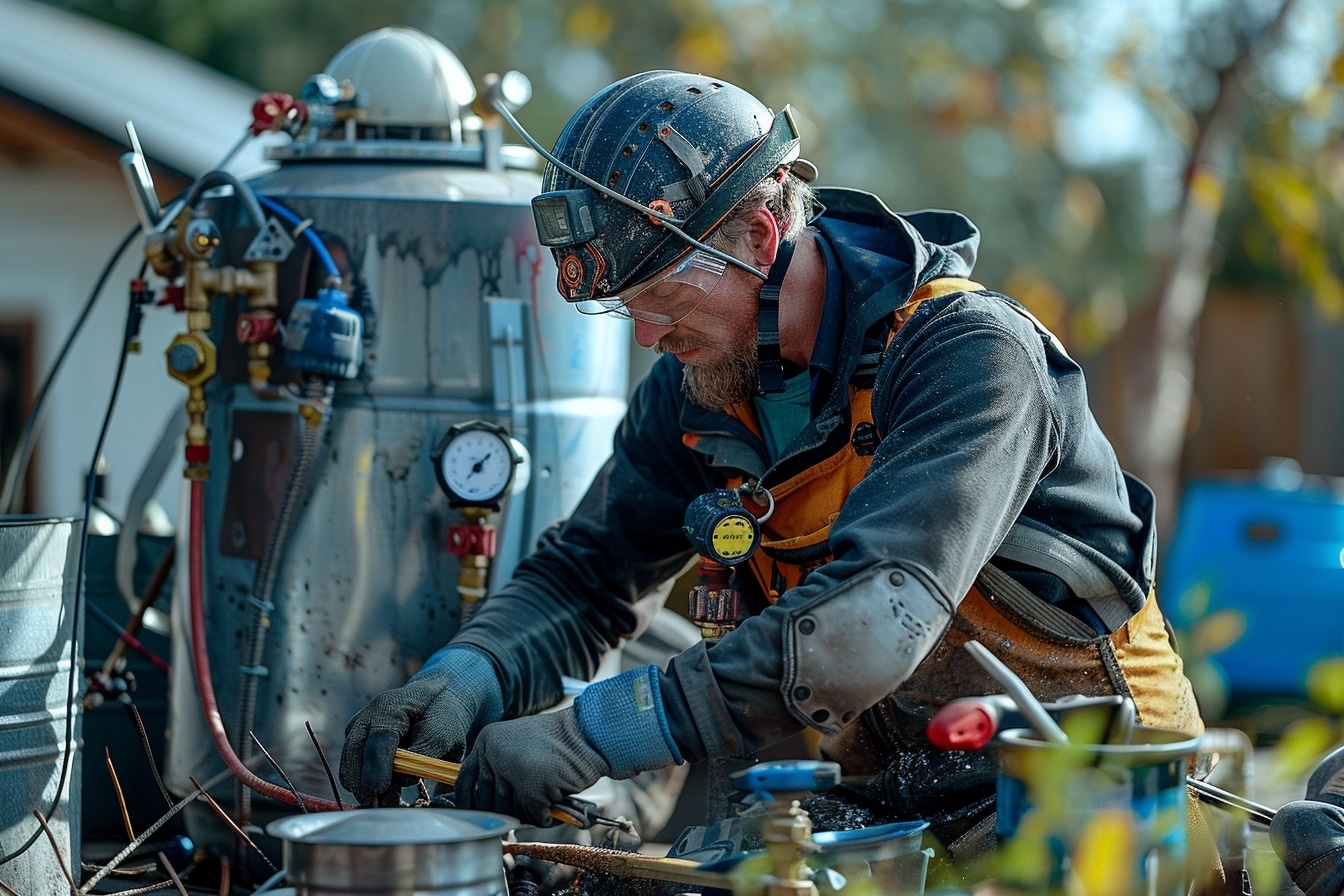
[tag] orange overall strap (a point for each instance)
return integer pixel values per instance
(939, 286)
(806, 504)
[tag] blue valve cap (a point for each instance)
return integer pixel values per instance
(788, 775)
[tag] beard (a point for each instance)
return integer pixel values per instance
(729, 380)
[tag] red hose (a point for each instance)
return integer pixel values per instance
(204, 684)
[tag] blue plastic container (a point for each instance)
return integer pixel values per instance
(1271, 549)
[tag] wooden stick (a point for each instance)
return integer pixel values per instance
(441, 770)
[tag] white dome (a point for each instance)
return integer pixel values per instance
(409, 78)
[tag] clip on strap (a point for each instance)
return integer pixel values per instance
(769, 361)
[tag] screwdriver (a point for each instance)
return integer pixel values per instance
(571, 810)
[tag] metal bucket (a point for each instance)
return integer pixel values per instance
(1088, 809)
(39, 714)
(395, 852)
(885, 858)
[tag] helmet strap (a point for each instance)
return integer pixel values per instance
(769, 361)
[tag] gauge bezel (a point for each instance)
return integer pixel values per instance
(499, 434)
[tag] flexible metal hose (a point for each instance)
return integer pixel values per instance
(297, 489)
(205, 685)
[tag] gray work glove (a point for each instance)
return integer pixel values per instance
(436, 713)
(1326, 784)
(521, 766)
(616, 728)
(1308, 834)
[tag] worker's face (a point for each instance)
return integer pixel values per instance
(713, 333)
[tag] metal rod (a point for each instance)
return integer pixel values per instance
(149, 831)
(1016, 688)
(326, 766)
(172, 873)
(149, 752)
(121, 797)
(1224, 799)
(56, 848)
(219, 810)
(278, 770)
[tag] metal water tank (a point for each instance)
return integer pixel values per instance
(430, 222)
(39, 702)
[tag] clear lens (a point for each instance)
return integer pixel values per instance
(667, 299)
(601, 306)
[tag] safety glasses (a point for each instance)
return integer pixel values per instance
(668, 298)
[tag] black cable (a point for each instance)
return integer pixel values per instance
(24, 446)
(132, 317)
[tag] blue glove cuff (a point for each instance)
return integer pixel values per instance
(471, 676)
(623, 718)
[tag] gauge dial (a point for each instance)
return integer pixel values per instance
(475, 463)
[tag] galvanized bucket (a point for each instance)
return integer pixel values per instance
(40, 688)
(395, 852)
(1080, 810)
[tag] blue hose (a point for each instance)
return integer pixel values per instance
(316, 241)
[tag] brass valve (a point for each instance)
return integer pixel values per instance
(191, 358)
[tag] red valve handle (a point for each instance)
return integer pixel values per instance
(963, 725)
(278, 112)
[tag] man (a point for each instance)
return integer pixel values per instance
(902, 427)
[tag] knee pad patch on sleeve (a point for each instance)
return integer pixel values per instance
(851, 646)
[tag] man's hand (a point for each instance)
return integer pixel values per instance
(1308, 834)
(521, 766)
(435, 713)
(1309, 838)
(616, 728)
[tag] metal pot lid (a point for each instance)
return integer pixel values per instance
(391, 826)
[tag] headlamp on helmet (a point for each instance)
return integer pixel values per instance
(565, 217)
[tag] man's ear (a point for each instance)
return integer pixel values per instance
(761, 240)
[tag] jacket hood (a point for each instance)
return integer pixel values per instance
(885, 256)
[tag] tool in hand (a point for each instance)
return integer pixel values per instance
(571, 810)
(1016, 688)
(1223, 799)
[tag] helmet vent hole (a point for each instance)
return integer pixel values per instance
(695, 90)
(614, 178)
(715, 84)
(629, 149)
(664, 131)
(644, 127)
(666, 106)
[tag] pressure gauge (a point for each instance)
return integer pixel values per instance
(474, 463)
(721, 528)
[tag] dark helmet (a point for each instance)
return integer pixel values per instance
(684, 145)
